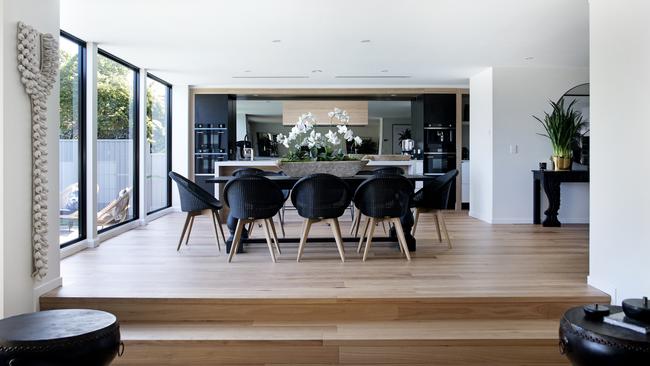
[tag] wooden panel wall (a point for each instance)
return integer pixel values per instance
(357, 109)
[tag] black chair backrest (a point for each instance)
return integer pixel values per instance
(435, 195)
(389, 170)
(321, 196)
(247, 171)
(253, 196)
(384, 196)
(193, 197)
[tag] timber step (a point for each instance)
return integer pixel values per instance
(440, 342)
(331, 309)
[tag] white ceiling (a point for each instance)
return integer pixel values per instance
(433, 42)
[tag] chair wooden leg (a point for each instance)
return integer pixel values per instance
(371, 232)
(417, 217)
(275, 234)
(303, 238)
(189, 230)
(383, 224)
(236, 239)
(281, 219)
(363, 233)
(187, 222)
(336, 230)
(216, 214)
(250, 229)
(216, 232)
(437, 222)
(355, 222)
(443, 225)
(269, 242)
(402, 238)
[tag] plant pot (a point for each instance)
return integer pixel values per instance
(338, 168)
(562, 163)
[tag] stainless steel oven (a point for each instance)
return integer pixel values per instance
(438, 163)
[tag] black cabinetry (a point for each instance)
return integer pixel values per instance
(440, 110)
(439, 135)
(214, 118)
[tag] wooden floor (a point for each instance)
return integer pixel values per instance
(494, 298)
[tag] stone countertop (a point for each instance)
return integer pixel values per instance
(274, 162)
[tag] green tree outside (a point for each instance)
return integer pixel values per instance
(115, 109)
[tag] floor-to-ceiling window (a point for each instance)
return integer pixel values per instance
(117, 136)
(72, 66)
(157, 155)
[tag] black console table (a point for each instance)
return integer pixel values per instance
(591, 342)
(551, 180)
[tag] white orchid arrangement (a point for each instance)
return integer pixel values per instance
(311, 145)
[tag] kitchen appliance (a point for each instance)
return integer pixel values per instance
(438, 163)
(241, 145)
(407, 146)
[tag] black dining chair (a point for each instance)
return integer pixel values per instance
(321, 197)
(253, 198)
(383, 198)
(265, 173)
(434, 198)
(389, 170)
(196, 202)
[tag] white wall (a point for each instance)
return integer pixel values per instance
(480, 137)
(2, 156)
(517, 94)
(619, 245)
(180, 136)
(17, 283)
(520, 93)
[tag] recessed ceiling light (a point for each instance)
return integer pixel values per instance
(529, 58)
(365, 41)
(276, 41)
(393, 95)
(316, 71)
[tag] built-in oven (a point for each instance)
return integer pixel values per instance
(439, 139)
(438, 163)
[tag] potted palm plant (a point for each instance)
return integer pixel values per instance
(563, 126)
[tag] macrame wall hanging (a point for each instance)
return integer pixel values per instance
(38, 63)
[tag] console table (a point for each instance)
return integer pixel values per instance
(550, 180)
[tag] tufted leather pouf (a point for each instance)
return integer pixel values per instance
(587, 342)
(59, 337)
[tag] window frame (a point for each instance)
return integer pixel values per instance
(136, 139)
(169, 141)
(82, 152)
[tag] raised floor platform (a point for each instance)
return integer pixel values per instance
(494, 299)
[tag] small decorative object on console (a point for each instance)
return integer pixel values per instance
(595, 311)
(637, 309)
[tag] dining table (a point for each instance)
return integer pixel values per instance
(286, 183)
